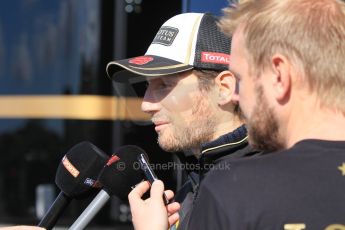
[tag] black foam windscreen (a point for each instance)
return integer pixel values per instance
(79, 169)
(122, 171)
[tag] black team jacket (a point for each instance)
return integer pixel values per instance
(229, 146)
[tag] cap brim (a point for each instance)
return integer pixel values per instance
(147, 66)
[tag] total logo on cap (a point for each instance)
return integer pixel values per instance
(213, 57)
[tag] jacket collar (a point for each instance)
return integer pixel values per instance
(224, 145)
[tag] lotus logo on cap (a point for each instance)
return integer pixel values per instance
(142, 60)
(165, 36)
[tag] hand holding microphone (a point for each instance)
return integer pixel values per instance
(152, 213)
(117, 177)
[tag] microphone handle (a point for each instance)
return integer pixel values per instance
(91, 210)
(56, 209)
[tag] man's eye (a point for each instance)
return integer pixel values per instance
(165, 85)
(161, 85)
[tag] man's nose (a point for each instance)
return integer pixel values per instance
(149, 103)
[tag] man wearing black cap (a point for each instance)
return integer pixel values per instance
(189, 95)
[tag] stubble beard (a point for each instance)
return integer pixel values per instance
(263, 125)
(191, 135)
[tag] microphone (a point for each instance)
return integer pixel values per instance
(118, 176)
(149, 173)
(76, 177)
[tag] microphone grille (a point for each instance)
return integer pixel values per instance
(122, 171)
(78, 170)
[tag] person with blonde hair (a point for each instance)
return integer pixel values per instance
(288, 57)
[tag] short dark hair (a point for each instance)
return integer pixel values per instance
(206, 81)
(206, 78)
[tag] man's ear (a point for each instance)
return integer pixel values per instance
(226, 85)
(281, 77)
